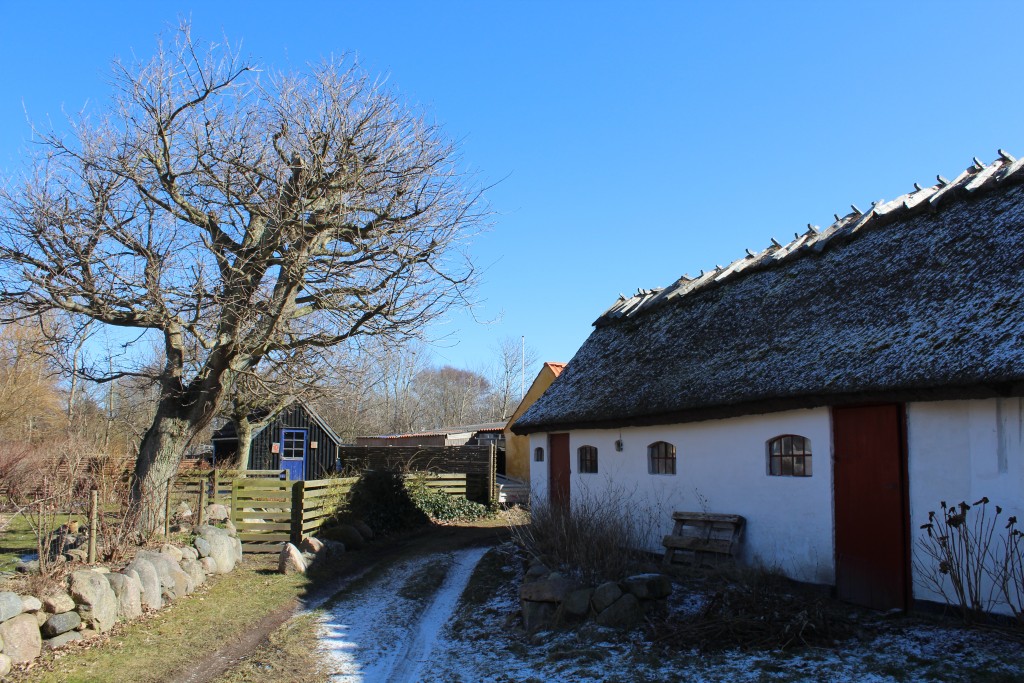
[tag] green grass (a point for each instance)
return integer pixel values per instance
(16, 540)
(177, 636)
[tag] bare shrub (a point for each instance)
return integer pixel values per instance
(1010, 577)
(957, 560)
(600, 537)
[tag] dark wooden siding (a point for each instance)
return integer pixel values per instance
(319, 462)
(477, 462)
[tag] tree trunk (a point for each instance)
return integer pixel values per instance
(157, 464)
(244, 430)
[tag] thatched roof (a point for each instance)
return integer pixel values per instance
(919, 298)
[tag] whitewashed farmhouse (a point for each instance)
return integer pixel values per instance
(831, 390)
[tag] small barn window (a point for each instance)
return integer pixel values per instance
(538, 454)
(661, 458)
(588, 459)
(789, 456)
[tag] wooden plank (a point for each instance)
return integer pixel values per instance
(268, 514)
(254, 527)
(707, 517)
(265, 537)
(705, 545)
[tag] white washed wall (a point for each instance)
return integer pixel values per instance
(962, 451)
(721, 466)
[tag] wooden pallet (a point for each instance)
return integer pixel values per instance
(701, 536)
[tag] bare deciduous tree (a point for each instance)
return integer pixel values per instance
(514, 360)
(237, 214)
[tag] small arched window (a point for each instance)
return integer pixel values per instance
(538, 454)
(661, 458)
(789, 455)
(588, 459)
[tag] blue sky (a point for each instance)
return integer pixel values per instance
(630, 142)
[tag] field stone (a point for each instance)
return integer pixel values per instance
(176, 583)
(129, 595)
(209, 565)
(237, 543)
(648, 586)
(577, 602)
(171, 551)
(626, 611)
(97, 604)
(10, 605)
(30, 603)
(552, 589)
(5, 665)
(21, 638)
(222, 547)
(311, 544)
(347, 534)
(183, 511)
(41, 618)
(60, 623)
(229, 527)
(203, 547)
(290, 561)
(194, 568)
(189, 553)
(605, 595)
(537, 615)
(536, 571)
(58, 603)
(62, 640)
(215, 512)
(76, 555)
(364, 529)
(149, 580)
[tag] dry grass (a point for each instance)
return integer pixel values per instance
(601, 537)
(292, 654)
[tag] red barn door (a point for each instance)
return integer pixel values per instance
(559, 472)
(872, 551)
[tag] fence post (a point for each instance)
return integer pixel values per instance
(202, 504)
(167, 509)
(298, 498)
(236, 515)
(94, 523)
(216, 486)
(492, 476)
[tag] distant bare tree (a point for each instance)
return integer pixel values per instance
(512, 362)
(237, 214)
(451, 396)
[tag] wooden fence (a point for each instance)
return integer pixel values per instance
(270, 512)
(477, 463)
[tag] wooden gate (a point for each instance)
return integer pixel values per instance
(559, 472)
(872, 547)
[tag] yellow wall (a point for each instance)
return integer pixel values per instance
(517, 448)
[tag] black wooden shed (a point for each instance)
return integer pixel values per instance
(297, 440)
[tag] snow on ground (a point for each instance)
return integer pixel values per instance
(375, 633)
(383, 632)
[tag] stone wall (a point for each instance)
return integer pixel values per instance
(96, 598)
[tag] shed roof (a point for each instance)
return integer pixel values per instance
(921, 297)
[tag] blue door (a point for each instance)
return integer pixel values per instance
(293, 453)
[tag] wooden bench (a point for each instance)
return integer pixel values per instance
(702, 535)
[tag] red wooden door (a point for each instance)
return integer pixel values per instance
(872, 552)
(559, 472)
